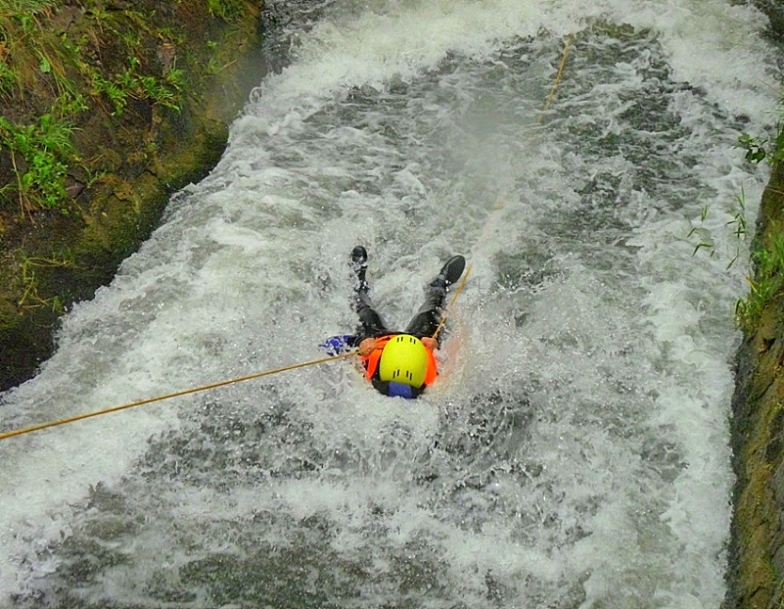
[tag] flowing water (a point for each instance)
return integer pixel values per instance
(574, 453)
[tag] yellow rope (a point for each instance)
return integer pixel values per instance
(160, 398)
(452, 304)
(553, 89)
(96, 413)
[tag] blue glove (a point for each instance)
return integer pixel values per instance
(335, 345)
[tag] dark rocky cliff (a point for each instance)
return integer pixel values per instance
(146, 91)
(756, 574)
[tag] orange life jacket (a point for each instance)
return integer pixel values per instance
(370, 362)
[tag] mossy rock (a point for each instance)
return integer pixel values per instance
(131, 164)
(756, 553)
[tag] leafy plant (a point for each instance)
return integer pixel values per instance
(8, 78)
(705, 236)
(767, 283)
(755, 148)
(740, 224)
(228, 10)
(26, 52)
(767, 261)
(39, 154)
(131, 84)
(762, 149)
(31, 296)
(118, 96)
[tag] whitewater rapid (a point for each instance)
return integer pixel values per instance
(574, 453)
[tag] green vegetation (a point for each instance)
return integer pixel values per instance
(228, 10)
(761, 149)
(46, 58)
(76, 57)
(61, 62)
(767, 255)
(706, 237)
(768, 281)
(130, 84)
(39, 154)
(31, 296)
(106, 108)
(39, 150)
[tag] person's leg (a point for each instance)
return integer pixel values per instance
(429, 315)
(370, 322)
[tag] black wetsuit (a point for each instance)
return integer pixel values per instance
(424, 323)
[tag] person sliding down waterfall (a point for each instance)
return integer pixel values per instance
(400, 364)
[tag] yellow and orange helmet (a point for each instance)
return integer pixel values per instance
(404, 360)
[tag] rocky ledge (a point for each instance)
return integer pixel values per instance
(108, 107)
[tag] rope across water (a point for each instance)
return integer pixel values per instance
(160, 398)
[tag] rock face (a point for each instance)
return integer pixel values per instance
(146, 91)
(756, 558)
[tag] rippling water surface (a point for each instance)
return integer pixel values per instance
(573, 455)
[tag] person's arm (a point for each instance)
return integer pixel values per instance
(367, 346)
(430, 342)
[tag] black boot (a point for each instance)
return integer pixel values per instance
(359, 259)
(450, 273)
(370, 322)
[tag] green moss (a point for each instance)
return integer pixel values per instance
(756, 515)
(759, 414)
(146, 111)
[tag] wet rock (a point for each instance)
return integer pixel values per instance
(756, 553)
